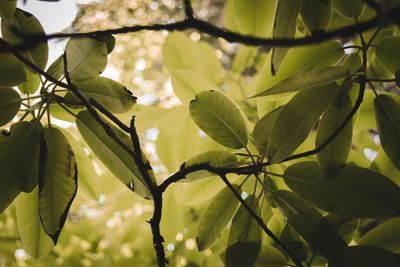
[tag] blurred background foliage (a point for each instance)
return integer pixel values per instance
(107, 224)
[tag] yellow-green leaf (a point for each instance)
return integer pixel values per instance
(216, 217)
(250, 17)
(219, 118)
(26, 24)
(111, 94)
(333, 157)
(113, 156)
(307, 78)
(34, 239)
(387, 113)
(309, 223)
(19, 161)
(86, 58)
(57, 181)
(296, 119)
(316, 14)
(388, 53)
(10, 102)
(355, 192)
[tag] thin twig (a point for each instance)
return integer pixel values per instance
(260, 222)
(191, 22)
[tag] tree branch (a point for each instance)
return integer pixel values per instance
(261, 223)
(191, 22)
(349, 116)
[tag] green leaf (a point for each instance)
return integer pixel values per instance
(7, 8)
(353, 62)
(111, 94)
(26, 24)
(216, 217)
(216, 158)
(187, 84)
(109, 40)
(19, 161)
(334, 156)
(355, 192)
(387, 113)
(179, 52)
(270, 257)
(297, 118)
(349, 9)
(385, 235)
(34, 239)
(86, 58)
(365, 256)
(244, 242)
(88, 180)
(307, 78)
(397, 76)
(56, 68)
(316, 14)
(10, 102)
(284, 27)
(251, 17)
(115, 158)
(58, 181)
(11, 69)
(324, 54)
(32, 83)
(388, 53)
(309, 223)
(262, 130)
(219, 118)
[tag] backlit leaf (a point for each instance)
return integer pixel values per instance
(57, 181)
(349, 9)
(387, 113)
(334, 156)
(219, 118)
(307, 78)
(355, 192)
(284, 27)
(19, 161)
(296, 119)
(86, 58)
(269, 256)
(26, 24)
(388, 53)
(385, 235)
(316, 14)
(111, 94)
(115, 158)
(244, 242)
(7, 8)
(262, 130)
(309, 223)
(34, 239)
(216, 217)
(10, 102)
(366, 256)
(251, 17)
(11, 69)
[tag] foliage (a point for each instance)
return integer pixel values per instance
(282, 153)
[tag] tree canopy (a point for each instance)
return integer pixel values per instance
(277, 146)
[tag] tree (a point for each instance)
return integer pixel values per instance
(312, 88)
